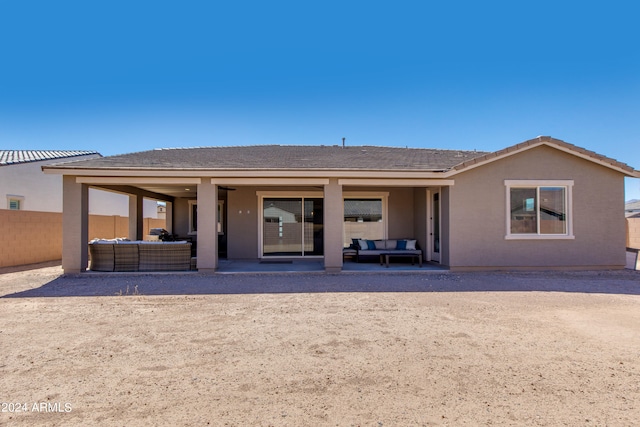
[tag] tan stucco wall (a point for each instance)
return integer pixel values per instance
(401, 213)
(243, 213)
(181, 217)
(445, 226)
(478, 214)
(420, 218)
(242, 223)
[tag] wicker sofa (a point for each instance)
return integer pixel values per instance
(119, 255)
(396, 247)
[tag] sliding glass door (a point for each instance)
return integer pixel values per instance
(292, 227)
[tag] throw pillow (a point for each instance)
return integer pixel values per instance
(371, 245)
(401, 245)
(363, 245)
(411, 245)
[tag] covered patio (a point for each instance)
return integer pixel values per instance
(226, 266)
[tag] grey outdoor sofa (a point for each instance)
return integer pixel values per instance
(388, 248)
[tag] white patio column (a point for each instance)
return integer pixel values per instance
(333, 225)
(75, 225)
(207, 226)
(136, 223)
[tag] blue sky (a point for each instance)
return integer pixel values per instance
(118, 77)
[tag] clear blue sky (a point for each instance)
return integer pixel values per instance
(118, 77)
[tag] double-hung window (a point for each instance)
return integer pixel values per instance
(539, 209)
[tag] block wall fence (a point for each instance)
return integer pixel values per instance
(31, 237)
(633, 233)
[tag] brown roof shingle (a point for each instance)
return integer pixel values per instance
(284, 157)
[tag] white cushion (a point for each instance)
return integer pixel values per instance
(411, 245)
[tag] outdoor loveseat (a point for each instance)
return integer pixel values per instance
(122, 255)
(384, 249)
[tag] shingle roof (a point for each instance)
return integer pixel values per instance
(9, 157)
(632, 206)
(284, 157)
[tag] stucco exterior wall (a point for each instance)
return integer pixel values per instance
(41, 192)
(243, 215)
(401, 213)
(181, 217)
(445, 226)
(420, 218)
(478, 214)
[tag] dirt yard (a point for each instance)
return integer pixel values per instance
(518, 355)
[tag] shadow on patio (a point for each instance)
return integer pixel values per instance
(298, 266)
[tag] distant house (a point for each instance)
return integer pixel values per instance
(31, 206)
(632, 208)
(540, 204)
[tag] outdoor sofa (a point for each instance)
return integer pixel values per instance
(387, 248)
(123, 255)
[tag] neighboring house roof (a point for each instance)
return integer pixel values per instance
(292, 157)
(362, 208)
(10, 157)
(632, 206)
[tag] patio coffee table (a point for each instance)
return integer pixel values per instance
(384, 256)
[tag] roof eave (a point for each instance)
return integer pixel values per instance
(244, 172)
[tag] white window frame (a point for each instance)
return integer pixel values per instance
(220, 213)
(384, 195)
(537, 184)
(15, 198)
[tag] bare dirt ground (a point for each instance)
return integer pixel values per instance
(542, 349)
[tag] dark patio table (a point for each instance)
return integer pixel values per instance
(385, 256)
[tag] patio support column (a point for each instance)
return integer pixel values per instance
(333, 224)
(75, 225)
(207, 226)
(168, 221)
(136, 223)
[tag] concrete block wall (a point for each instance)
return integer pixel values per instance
(633, 233)
(110, 227)
(30, 237)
